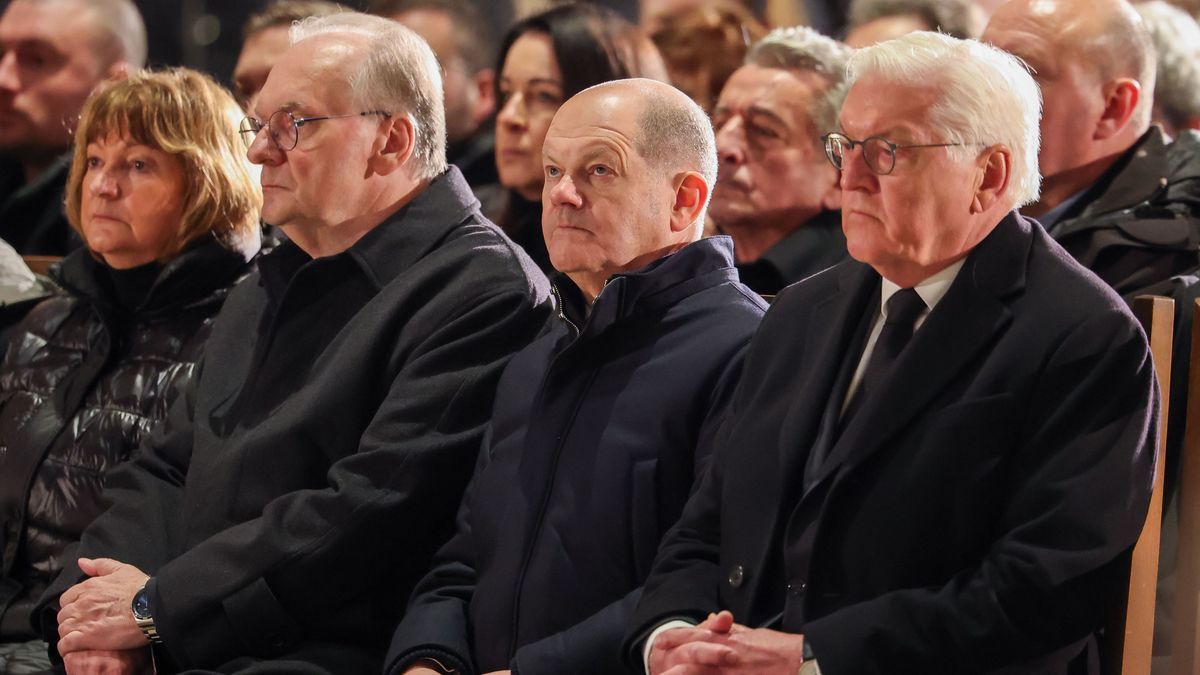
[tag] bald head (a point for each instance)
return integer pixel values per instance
(1094, 63)
(629, 167)
(671, 131)
(1106, 36)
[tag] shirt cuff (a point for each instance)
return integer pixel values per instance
(662, 628)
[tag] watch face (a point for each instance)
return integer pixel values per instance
(141, 604)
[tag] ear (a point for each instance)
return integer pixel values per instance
(1121, 97)
(485, 100)
(119, 70)
(691, 192)
(394, 146)
(995, 168)
(832, 199)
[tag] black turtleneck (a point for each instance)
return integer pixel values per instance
(131, 286)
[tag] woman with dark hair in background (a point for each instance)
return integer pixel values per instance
(166, 202)
(544, 60)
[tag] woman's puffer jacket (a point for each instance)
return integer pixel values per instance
(82, 381)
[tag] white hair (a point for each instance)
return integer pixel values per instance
(1176, 37)
(400, 75)
(802, 48)
(987, 97)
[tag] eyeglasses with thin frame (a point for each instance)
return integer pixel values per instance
(878, 152)
(283, 128)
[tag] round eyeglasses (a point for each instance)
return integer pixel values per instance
(878, 152)
(283, 128)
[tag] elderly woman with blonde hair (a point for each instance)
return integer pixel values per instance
(168, 206)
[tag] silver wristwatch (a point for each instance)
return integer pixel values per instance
(143, 617)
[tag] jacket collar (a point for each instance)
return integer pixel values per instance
(805, 250)
(417, 228)
(198, 275)
(693, 268)
(390, 247)
(1137, 176)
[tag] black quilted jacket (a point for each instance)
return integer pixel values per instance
(82, 380)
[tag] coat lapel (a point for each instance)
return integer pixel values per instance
(964, 323)
(830, 334)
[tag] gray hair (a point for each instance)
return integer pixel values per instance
(283, 13)
(802, 48)
(400, 74)
(122, 32)
(1176, 37)
(987, 97)
(956, 18)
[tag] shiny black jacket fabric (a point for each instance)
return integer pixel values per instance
(83, 379)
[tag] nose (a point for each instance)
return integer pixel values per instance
(855, 175)
(103, 183)
(263, 151)
(512, 113)
(10, 81)
(564, 193)
(731, 143)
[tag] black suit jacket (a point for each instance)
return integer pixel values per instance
(974, 515)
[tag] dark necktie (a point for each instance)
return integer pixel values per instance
(903, 308)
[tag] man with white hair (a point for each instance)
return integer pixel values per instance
(1116, 194)
(303, 484)
(940, 453)
(53, 53)
(603, 423)
(776, 194)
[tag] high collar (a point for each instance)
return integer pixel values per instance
(1135, 177)
(693, 268)
(193, 277)
(399, 241)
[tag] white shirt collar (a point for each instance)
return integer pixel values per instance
(931, 290)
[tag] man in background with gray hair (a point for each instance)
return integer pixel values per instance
(604, 422)
(290, 501)
(1118, 195)
(53, 53)
(776, 194)
(941, 452)
(1176, 36)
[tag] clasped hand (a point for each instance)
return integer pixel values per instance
(718, 646)
(96, 628)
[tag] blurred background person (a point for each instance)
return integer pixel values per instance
(54, 53)
(872, 21)
(265, 37)
(162, 193)
(544, 60)
(1176, 37)
(776, 194)
(703, 45)
(465, 46)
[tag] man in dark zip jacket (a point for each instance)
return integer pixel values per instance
(315, 464)
(602, 425)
